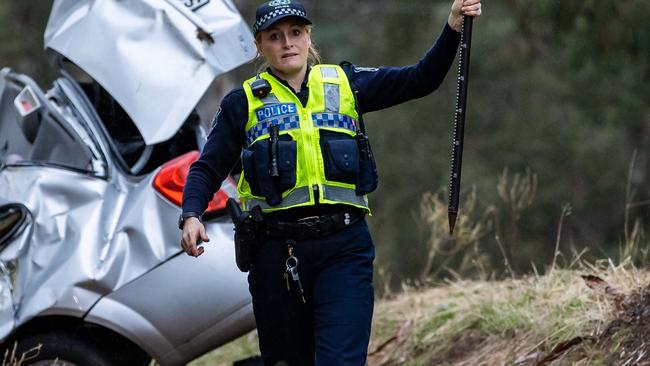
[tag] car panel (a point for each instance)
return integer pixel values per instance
(12, 248)
(101, 237)
(89, 234)
(136, 35)
(126, 321)
(167, 295)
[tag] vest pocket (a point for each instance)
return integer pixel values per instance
(341, 160)
(262, 175)
(287, 154)
(257, 169)
(248, 163)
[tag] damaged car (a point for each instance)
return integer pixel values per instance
(91, 178)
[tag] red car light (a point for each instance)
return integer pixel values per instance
(171, 178)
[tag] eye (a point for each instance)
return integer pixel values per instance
(297, 32)
(273, 36)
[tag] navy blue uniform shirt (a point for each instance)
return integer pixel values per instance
(378, 88)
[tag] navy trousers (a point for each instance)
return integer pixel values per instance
(333, 327)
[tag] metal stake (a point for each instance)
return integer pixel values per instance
(459, 122)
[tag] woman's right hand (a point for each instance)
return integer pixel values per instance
(459, 8)
(193, 235)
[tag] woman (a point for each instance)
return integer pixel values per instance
(307, 168)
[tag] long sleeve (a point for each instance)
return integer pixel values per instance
(220, 153)
(385, 87)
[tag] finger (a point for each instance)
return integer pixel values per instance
(194, 252)
(189, 244)
(200, 251)
(203, 234)
(473, 12)
(471, 8)
(184, 243)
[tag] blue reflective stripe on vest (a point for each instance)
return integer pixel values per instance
(334, 120)
(263, 128)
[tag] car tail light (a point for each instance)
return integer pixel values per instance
(171, 178)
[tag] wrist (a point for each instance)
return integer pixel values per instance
(187, 216)
(455, 22)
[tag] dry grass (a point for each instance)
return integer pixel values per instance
(510, 322)
(10, 358)
(241, 348)
(474, 323)
(560, 318)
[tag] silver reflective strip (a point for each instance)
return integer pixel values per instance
(343, 195)
(332, 98)
(329, 72)
(270, 99)
(298, 196)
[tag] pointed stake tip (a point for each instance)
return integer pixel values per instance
(452, 222)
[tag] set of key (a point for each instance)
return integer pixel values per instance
(292, 270)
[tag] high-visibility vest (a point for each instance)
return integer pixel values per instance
(317, 152)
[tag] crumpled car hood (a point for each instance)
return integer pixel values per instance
(147, 53)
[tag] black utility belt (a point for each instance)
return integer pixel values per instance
(313, 226)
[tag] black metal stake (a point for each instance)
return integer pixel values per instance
(459, 122)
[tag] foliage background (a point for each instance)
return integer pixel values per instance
(559, 96)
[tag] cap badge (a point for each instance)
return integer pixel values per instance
(279, 2)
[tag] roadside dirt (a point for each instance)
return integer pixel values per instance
(622, 341)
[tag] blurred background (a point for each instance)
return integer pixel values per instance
(557, 140)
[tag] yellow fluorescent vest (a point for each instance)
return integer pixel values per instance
(330, 107)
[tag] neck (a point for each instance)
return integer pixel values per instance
(294, 79)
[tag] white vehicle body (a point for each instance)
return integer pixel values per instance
(88, 239)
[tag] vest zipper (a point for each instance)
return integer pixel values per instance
(313, 159)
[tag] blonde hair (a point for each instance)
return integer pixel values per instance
(313, 56)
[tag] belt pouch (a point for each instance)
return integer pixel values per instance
(245, 247)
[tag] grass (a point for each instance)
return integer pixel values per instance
(10, 358)
(241, 348)
(505, 322)
(495, 323)
(552, 319)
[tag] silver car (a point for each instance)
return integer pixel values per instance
(91, 179)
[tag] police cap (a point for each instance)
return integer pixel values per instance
(272, 11)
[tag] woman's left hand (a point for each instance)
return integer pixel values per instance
(459, 8)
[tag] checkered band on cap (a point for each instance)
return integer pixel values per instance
(277, 13)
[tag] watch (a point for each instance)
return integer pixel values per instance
(186, 215)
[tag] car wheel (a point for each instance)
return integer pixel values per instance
(63, 349)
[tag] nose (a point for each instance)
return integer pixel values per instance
(286, 41)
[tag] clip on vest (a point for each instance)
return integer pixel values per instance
(260, 87)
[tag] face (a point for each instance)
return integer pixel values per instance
(285, 45)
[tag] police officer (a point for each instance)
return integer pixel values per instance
(307, 167)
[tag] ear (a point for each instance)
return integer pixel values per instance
(259, 48)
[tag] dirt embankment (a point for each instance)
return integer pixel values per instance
(564, 319)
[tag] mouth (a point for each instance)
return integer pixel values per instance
(287, 55)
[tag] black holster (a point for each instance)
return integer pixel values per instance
(368, 178)
(247, 237)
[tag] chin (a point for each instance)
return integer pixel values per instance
(291, 66)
